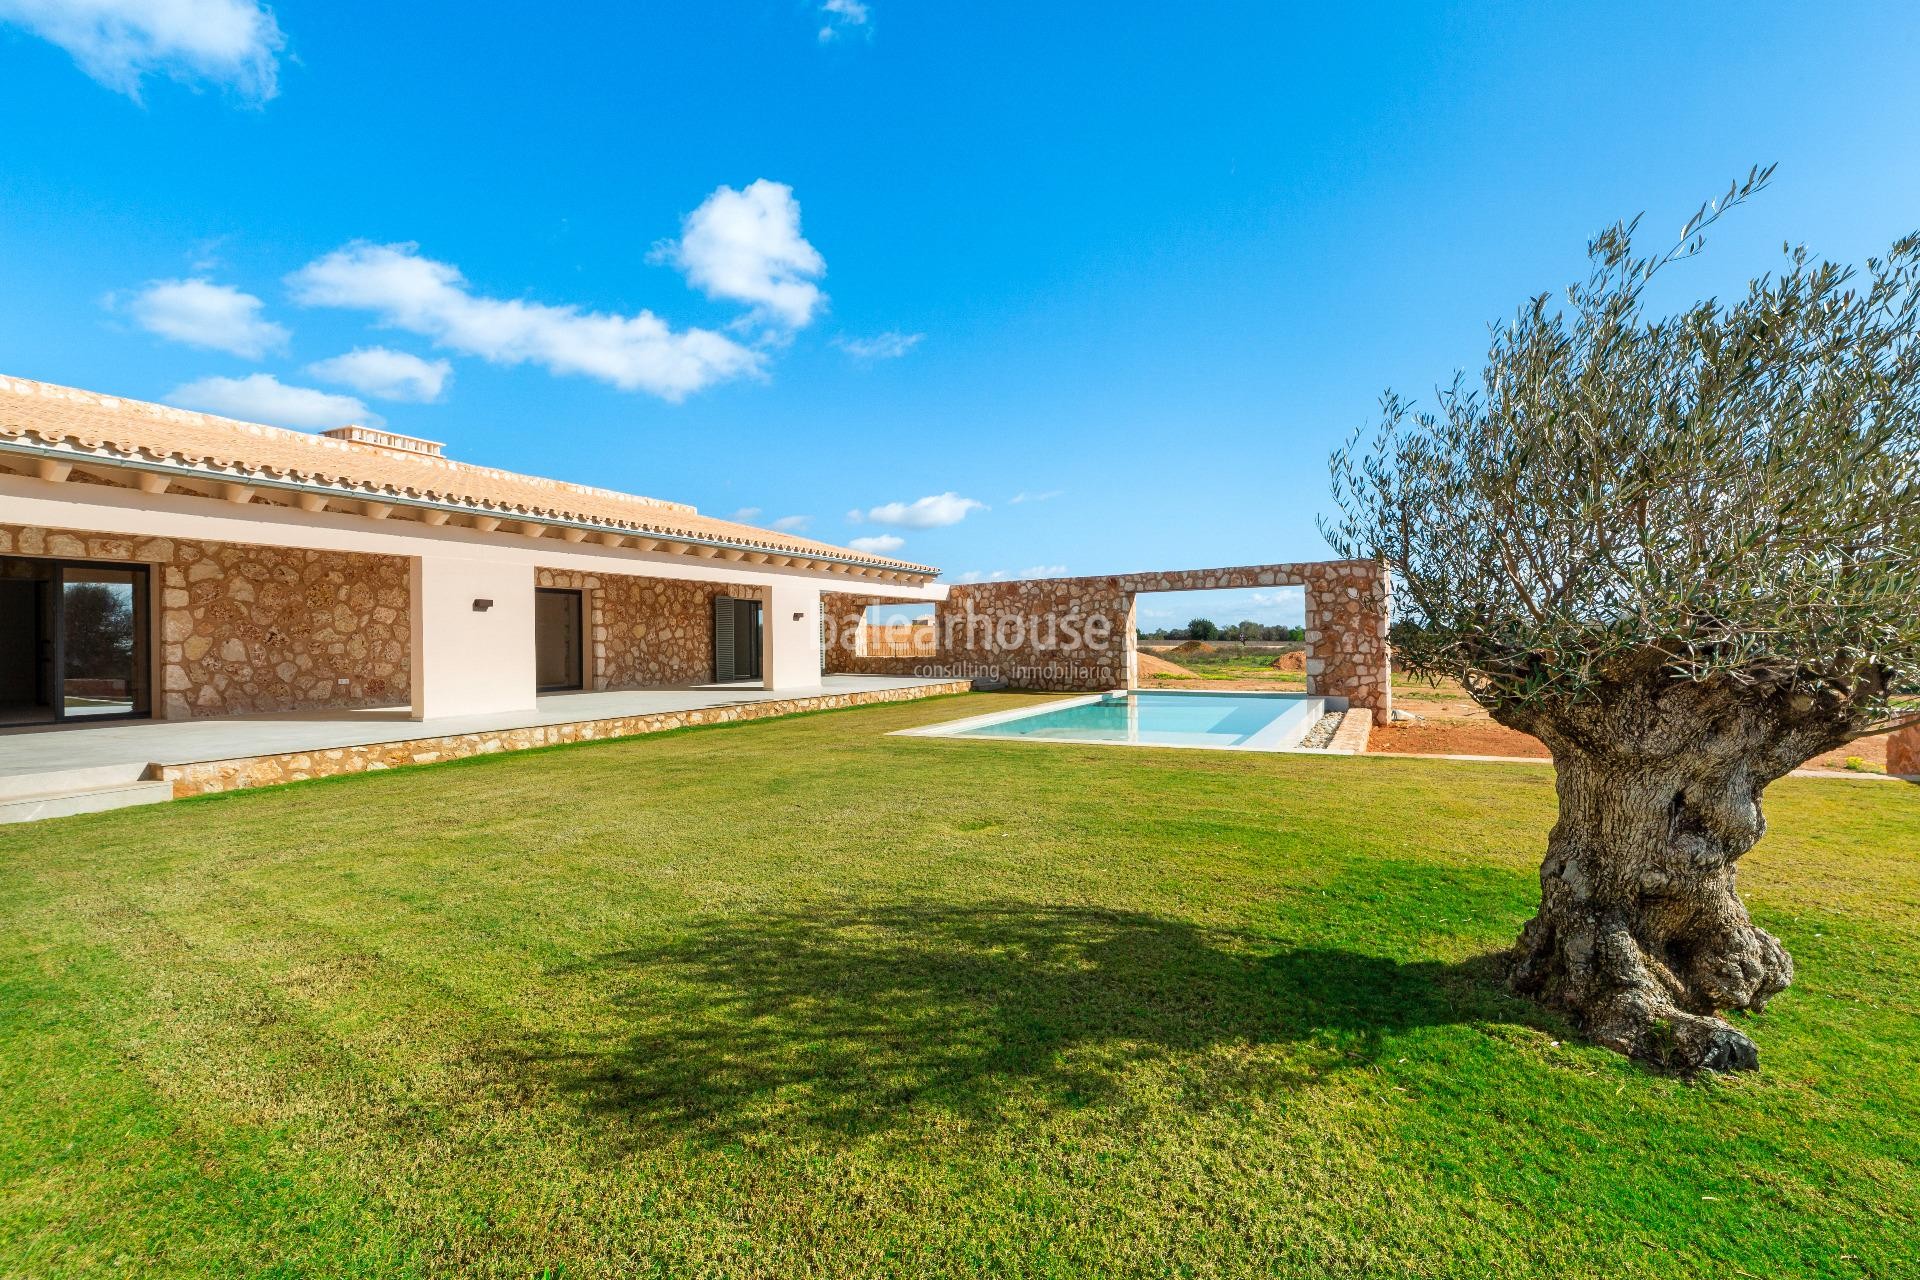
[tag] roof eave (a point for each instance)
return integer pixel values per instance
(263, 478)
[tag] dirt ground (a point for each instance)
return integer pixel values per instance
(1453, 724)
(1151, 666)
(1450, 723)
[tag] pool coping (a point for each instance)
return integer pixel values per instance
(964, 728)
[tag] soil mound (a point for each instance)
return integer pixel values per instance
(1294, 660)
(1151, 666)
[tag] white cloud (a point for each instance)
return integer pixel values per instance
(261, 397)
(923, 513)
(841, 17)
(878, 542)
(387, 374)
(1047, 496)
(635, 353)
(746, 246)
(746, 515)
(201, 313)
(206, 254)
(230, 43)
(1002, 575)
(882, 346)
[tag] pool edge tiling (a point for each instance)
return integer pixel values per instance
(1282, 731)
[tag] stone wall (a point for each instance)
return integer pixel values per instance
(1061, 634)
(255, 629)
(1903, 753)
(900, 640)
(646, 633)
(1077, 634)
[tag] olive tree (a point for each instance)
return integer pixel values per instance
(1684, 552)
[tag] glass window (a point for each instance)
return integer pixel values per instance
(102, 641)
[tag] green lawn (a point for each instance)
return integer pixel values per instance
(794, 998)
(1231, 663)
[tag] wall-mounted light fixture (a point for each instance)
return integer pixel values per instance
(481, 606)
(799, 617)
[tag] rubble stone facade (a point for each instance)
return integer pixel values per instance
(645, 633)
(246, 628)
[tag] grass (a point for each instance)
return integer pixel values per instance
(1234, 665)
(795, 998)
(1231, 663)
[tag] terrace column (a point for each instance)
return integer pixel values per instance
(472, 637)
(1349, 607)
(792, 655)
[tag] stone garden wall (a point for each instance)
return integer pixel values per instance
(901, 640)
(646, 632)
(1077, 634)
(250, 629)
(1903, 753)
(296, 766)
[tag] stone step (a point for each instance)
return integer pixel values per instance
(61, 804)
(15, 786)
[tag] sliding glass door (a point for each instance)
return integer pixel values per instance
(76, 641)
(103, 642)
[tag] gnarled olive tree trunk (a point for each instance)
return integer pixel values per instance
(1641, 935)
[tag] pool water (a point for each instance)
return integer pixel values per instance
(1236, 721)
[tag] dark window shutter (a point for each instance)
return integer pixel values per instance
(723, 647)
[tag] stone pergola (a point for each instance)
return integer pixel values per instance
(1078, 634)
(1903, 752)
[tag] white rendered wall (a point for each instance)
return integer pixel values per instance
(792, 635)
(465, 661)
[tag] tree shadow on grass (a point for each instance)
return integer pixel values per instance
(837, 1024)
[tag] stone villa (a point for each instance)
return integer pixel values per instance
(161, 567)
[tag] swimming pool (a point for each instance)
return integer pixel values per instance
(1158, 718)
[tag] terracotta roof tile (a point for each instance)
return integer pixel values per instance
(55, 414)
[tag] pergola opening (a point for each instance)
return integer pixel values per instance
(1253, 637)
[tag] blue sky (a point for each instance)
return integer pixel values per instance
(1027, 290)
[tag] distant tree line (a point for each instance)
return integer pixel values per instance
(99, 623)
(1208, 629)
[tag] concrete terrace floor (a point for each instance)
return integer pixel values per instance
(48, 748)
